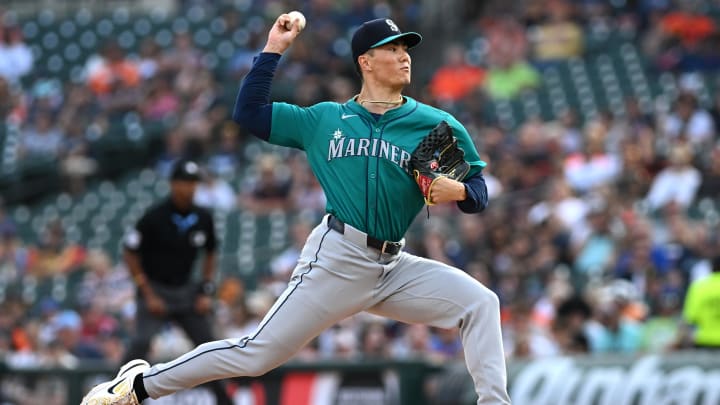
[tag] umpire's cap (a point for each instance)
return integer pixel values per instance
(379, 32)
(185, 170)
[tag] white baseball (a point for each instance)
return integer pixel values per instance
(297, 18)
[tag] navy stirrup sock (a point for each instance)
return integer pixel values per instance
(139, 388)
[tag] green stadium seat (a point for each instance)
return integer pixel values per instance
(164, 37)
(180, 25)
(127, 40)
(83, 17)
(668, 86)
(121, 16)
(50, 41)
(530, 104)
(142, 27)
(105, 28)
(46, 17)
(30, 30)
(67, 29)
(89, 40)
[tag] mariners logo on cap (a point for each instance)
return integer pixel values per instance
(392, 25)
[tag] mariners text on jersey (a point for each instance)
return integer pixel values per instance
(342, 146)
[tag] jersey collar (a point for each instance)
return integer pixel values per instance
(409, 105)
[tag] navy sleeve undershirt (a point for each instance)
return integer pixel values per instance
(253, 109)
(477, 195)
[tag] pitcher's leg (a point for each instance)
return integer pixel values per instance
(419, 290)
(326, 287)
(199, 330)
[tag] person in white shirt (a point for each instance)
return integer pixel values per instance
(688, 120)
(44, 138)
(215, 193)
(676, 183)
(594, 167)
(16, 58)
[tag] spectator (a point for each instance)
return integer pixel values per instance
(46, 96)
(678, 183)
(701, 309)
(308, 198)
(270, 189)
(611, 332)
(456, 78)
(688, 24)
(661, 331)
(508, 72)
(594, 167)
(374, 342)
(111, 71)
(225, 160)
(282, 265)
(149, 59)
(8, 99)
(53, 254)
(13, 255)
(181, 56)
(201, 96)
(560, 204)
(413, 343)
(68, 332)
(559, 37)
(175, 148)
(710, 176)
(76, 164)
(523, 338)
(594, 246)
(16, 59)
(572, 316)
(215, 193)
(8, 228)
(445, 345)
(687, 122)
(44, 139)
(105, 286)
(566, 132)
(161, 102)
(509, 78)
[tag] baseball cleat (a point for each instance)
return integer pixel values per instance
(119, 391)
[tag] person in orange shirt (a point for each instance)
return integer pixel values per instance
(690, 27)
(456, 78)
(111, 71)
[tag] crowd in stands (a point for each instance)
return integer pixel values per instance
(595, 230)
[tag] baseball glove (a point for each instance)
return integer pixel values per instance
(437, 155)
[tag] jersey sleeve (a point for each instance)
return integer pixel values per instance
(292, 125)
(466, 144)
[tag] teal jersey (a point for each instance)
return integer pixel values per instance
(362, 163)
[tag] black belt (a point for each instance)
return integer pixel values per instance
(384, 246)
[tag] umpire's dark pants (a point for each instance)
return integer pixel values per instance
(180, 307)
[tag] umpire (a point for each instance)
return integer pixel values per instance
(161, 252)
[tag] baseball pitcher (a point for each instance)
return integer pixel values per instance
(380, 157)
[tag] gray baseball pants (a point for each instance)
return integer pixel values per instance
(337, 276)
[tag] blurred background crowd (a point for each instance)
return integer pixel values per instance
(598, 120)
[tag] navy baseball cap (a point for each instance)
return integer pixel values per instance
(186, 170)
(379, 32)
